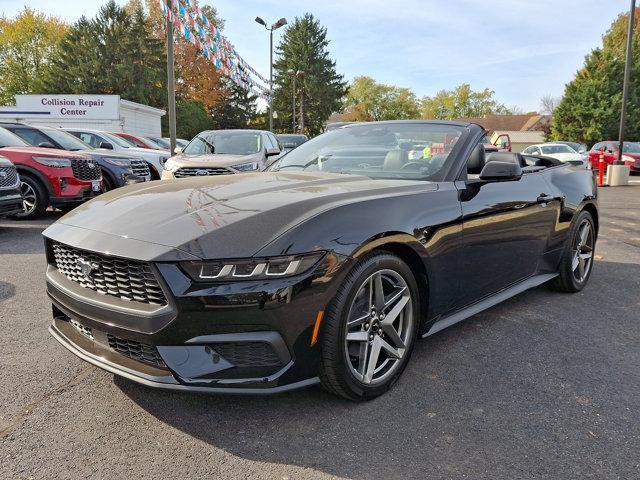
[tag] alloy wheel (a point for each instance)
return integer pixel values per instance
(29, 198)
(582, 258)
(379, 327)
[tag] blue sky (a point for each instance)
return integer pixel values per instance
(522, 49)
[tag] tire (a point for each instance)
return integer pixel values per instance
(345, 368)
(576, 263)
(35, 198)
(107, 182)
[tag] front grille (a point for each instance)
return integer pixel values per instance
(85, 169)
(136, 350)
(8, 177)
(248, 354)
(140, 168)
(127, 279)
(200, 171)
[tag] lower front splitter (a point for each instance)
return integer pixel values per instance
(168, 382)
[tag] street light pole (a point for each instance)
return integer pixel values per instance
(625, 84)
(271, 79)
(280, 23)
(171, 81)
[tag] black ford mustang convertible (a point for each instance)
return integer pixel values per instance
(326, 268)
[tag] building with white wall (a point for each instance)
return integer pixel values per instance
(100, 112)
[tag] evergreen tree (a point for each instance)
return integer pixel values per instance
(113, 53)
(236, 108)
(319, 92)
(589, 111)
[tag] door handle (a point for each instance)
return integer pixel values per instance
(544, 198)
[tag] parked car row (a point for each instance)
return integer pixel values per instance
(62, 168)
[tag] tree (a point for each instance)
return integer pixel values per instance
(236, 109)
(27, 45)
(548, 104)
(367, 100)
(589, 111)
(191, 118)
(461, 102)
(320, 91)
(114, 53)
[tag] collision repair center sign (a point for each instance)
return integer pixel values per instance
(90, 107)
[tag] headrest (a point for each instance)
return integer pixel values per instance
(476, 160)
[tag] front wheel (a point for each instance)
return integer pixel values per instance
(370, 328)
(34, 199)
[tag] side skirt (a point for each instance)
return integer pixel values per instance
(488, 302)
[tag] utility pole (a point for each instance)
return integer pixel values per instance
(171, 81)
(301, 122)
(625, 84)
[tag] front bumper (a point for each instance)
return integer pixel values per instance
(64, 201)
(247, 337)
(159, 379)
(10, 202)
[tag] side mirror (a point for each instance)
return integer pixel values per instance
(272, 151)
(496, 171)
(46, 145)
(177, 150)
(106, 145)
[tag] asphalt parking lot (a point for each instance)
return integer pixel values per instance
(546, 385)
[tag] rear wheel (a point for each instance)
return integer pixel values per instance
(34, 198)
(576, 263)
(370, 329)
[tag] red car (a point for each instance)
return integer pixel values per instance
(50, 177)
(139, 141)
(630, 154)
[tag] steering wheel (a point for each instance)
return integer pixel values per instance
(414, 166)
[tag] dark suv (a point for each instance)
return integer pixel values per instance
(118, 169)
(10, 196)
(50, 177)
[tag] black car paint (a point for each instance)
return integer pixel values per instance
(465, 239)
(117, 176)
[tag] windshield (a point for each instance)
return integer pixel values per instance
(378, 150)
(292, 141)
(8, 139)
(66, 140)
(152, 143)
(224, 142)
(551, 149)
(117, 140)
(162, 142)
(631, 147)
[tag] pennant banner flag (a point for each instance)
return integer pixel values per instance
(194, 26)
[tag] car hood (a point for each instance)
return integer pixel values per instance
(106, 153)
(215, 160)
(567, 157)
(227, 216)
(54, 152)
(145, 152)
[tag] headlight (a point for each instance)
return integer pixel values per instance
(162, 159)
(627, 158)
(251, 268)
(53, 161)
(118, 162)
(246, 167)
(169, 165)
